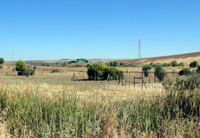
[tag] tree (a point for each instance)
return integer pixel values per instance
(113, 63)
(194, 64)
(1, 60)
(101, 72)
(185, 71)
(20, 67)
(160, 73)
(146, 69)
(174, 63)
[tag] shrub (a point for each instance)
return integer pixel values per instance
(151, 64)
(1, 66)
(131, 65)
(185, 71)
(157, 64)
(194, 64)
(113, 63)
(1, 60)
(181, 64)
(165, 65)
(20, 67)
(95, 72)
(100, 72)
(146, 69)
(198, 69)
(55, 71)
(122, 64)
(26, 72)
(174, 63)
(160, 73)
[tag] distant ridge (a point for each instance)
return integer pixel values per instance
(152, 59)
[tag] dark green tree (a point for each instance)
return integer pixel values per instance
(174, 63)
(1, 60)
(146, 69)
(160, 73)
(20, 67)
(194, 64)
(185, 71)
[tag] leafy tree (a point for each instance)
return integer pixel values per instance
(146, 69)
(122, 64)
(100, 72)
(185, 71)
(194, 64)
(1, 60)
(160, 73)
(113, 63)
(174, 63)
(20, 67)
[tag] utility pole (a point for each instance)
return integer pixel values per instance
(139, 54)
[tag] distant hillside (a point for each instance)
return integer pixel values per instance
(185, 58)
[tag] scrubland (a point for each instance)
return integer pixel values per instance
(51, 105)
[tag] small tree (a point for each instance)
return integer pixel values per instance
(20, 67)
(146, 69)
(185, 72)
(113, 63)
(160, 73)
(174, 63)
(194, 64)
(1, 60)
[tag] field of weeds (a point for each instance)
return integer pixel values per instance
(51, 105)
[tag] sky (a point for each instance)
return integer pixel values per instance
(71, 29)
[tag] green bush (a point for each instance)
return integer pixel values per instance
(20, 67)
(113, 63)
(160, 73)
(185, 71)
(55, 71)
(100, 72)
(165, 65)
(146, 69)
(1, 66)
(198, 69)
(157, 64)
(181, 64)
(174, 63)
(194, 64)
(1, 60)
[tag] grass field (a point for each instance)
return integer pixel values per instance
(51, 105)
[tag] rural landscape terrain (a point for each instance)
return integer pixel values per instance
(150, 97)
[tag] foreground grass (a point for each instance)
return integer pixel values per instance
(29, 114)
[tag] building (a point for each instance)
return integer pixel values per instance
(82, 60)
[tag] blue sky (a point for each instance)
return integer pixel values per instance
(57, 29)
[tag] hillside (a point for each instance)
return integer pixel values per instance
(185, 58)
